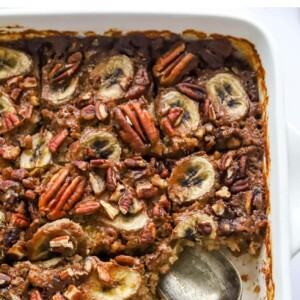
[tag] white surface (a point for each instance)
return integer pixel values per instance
(284, 24)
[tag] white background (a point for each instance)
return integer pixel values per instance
(284, 25)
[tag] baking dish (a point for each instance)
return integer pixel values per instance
(256, 269)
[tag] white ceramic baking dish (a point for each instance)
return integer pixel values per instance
(278, 179)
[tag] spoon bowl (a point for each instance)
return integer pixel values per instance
(201, 275)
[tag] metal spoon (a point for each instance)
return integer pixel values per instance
(200, 275)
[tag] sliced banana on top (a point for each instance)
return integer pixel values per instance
(116, 74)
(13, 62)
(39, 156)
(103, 145)
(6, 106)
(225, 91)
(194, 225)
(191, 179)
(124, 282)
(190, 119)
(128, 222)
(62, 94)
(63, 235)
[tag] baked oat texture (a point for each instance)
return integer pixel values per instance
(118, 151)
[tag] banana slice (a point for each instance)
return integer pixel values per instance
(60, 95)
(62, 234)
(190, 119)
(13, 62)
(191, 179)
(194, 225)
(128, 222)
(125, 283)
(116, 74)
(102, 144)
(39, 156)
(6, 106)
(227, 92)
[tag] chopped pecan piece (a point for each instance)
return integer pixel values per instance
(20, 220)
(101, 111)
(60, 72)
(61, 244)
(146, 190)
(140, 83)
(73, 293)
(175, 116)
(135, 162)
(125, 202)
(111, 211)
(148, 233)
(173, 65)
(12, 121)
(36, 295)
(58, 296)
(10, 152)
(17, 251)
(97, 183)
(104, 276)
(135, 91)
(88, 112)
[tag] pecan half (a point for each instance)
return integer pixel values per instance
(126, 260)
(57, 141)
(240, 185)
(111, 179)
(60, 72)
(61, 194)
(191, 90)
(87, 207)
(173, 65)
(137, 127)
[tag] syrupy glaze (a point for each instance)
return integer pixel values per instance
(119, 150)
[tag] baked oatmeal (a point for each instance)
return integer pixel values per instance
(116, 152)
